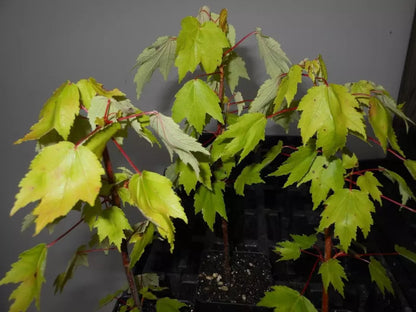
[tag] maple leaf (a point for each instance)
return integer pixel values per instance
(369, 183)
(58, 113)
(199, 43)
(60, 175)
(288, 87)
(161, 54)
(111, 224)
(347, 210)
(80, 258)
(242, 136)
(275, 59)
(263, 102)
(98, 141)
(285, 299)
(411, 167)
(409, 255)
(177, 141)
(29, 272)
(405, 191)
(210, 202)
(251, 173)
(298, 164)
(141, 239)
(167, 304)
(154, 197)
(194, 101)
(379, 276)
(291, 250)
(330, 111)
(235, 70)
(332, 273)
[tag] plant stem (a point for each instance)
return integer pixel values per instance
(227, 266)
(327, 257)
(65, 234)
(115, 200)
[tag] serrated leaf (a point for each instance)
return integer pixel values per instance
(362, 90)
(297, 165)
(241, 137)
(285, 299)
(291, 250)
(199, 43)
(235, 70)
(411, 167)
(347, 210)
(177, 141)
(29, 272)
(390, 104)
(333, 273)
(410, 255)
(60, 175)
(263, 102)
(80, 258)
(405, 191)
(58, 113)
(369, 184)
(349, 160)
(275, 59)
(169, 305)
(194, 101)
(210, 202)
(101, 105)
(161, 54)
(141, 241)
(288, 87)
(251, 173)
(110, 298)
(155, 198)
(111, 224)
(379, 276)
(330, 112)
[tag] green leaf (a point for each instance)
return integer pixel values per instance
(111, 224)
(251, 173)
(291, 250)
(409, 255)
(411, 167)
(60, 175)
(110, 298)
(169, 305)
(241, 137)
(288, 87)
(155, 198)
(405, 191)
(235, 70)
(263, 102)
(285, 299)
(332, 272)
(80, 258)
(58, 113)
(390, 104)
(98, 141)
(348, 210)
(329, 111)
(100, 105)
(298, 164)
(379, 276)
(194, 101)
(177, 141)
(141, 239)
(369, 184)
(275, 59)
(29, 272)
(161, 54)
(349, 160)
(198, 43)
(210, 202)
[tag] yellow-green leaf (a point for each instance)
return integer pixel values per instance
(141, 239)
(288, 87)
(333, 273)
(379, 276)
(60, 176)
(369, 183)
(411, 167)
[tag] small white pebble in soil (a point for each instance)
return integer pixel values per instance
(248, 272)
(244, 297)
(219, 277)
(209, 277)
(251, 264)
(220, 283)
(214, 275)
(223, 288)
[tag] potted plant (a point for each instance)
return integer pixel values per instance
(214, 137)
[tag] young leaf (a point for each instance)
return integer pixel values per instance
(111, 224)
(155, 198)
(275, 59)
(198, 43)
(194, 101)
(177, 141)
(29, 272)
(263, 101)
(101, 105)
(235, 70)
(60, 175)
(298, 164)
(291, 250)
(241, 137)
(348, 210)
(80, 258)
(288, 87)
(285, 299)
(410, 255)
(369, 184)
(329, 111)
(169, 305)
(332, 272)
(161, 54)
(405, 191)
(141, 240)
(98, 141)
(58, 113)
(210, 202)
(379, 275)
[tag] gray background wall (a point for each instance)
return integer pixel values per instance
(45, 42)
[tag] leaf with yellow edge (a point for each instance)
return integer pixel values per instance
(58, 113)
(330, 112)
(29, 272)
(155, 198)
(60, 176)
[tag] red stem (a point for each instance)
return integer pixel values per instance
(310, 277)
(282, 111)
(65, 234)
(389, 149)
(239, 42)
(122, 151)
